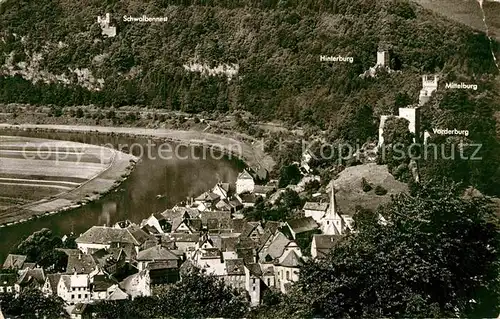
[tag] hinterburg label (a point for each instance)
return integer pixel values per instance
(144, 19)
(461, 86)
(324, 58)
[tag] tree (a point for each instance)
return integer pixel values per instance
(289, 174)
(33, 304)
(39, 244)
(198, 296)
(437, 256)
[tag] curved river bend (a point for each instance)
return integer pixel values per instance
(174, 180)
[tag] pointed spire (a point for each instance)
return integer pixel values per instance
(333, 204)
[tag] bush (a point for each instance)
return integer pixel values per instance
(379, 190)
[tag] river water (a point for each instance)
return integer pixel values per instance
(155, 185)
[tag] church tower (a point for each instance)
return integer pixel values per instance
(332, 223)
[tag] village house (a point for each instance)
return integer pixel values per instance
(101, 287)
(14, 262)
(235, 273)
(8, 282)
(51, 283)
(247, 199)
(315, 210)
(137, 285)
(81, 311)
(302, 226)
(322, 244)
(154, 255)
(263, 190)
(157, 221)
(222, 190)
(287, 266)
(102, 237)
(245, 183)
(30, 279)
(74, 288)
(253, 282)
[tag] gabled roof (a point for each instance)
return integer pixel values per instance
(117, 294)
(248, 228)
(235, 267)
(156, 253)
(14, 261)
(35, 276)
(248, 198)
(103, 282)
(304, 224)
(207, 197)
(245, 175)
(53, 280)
(325, 241)
(263, 189)
(315, 206)
(277, 246)
(150, 229)
(107, 235)
(238, 224)
(81, 263)
(254, 269)
(291, 260)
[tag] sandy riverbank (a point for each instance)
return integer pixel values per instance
(57, 180)
(252, 153)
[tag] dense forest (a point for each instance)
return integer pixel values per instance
(276, 45)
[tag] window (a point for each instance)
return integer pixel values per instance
(9, 289)
(85, 296)
(253, 288)
(72, 296)
(328, 222)
(268, 282)
(287, 275)
(1, 289)
(79, 296)
(253, 281)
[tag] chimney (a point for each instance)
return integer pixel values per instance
(79, 255)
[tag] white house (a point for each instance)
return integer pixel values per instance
(104, 23)
(221, 189)
(74, 288)
(102, 237)
(245, 182)
(287, 268)
(315, 210)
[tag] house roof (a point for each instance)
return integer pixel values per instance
(79, 309)
(150, 229)
(291, 260)
(14, 261)
(66, 279)
(53, 280)
(229, 243)
(207, 197)
(103, 282)
(235, 267)
(238, 224)
(248, 198)
(277, 246)
(29, 265)
(263, 189)
(254, 269)
(304, 224)
(223, 205)
(325, 241)
(81, 263)
(247, 254)
(272, 226)
(183, 237)
(36, 276)
(164, 264)
(117, 294)
(156, 253)
(248, 228)
(315, 206)
(245, 175)
(107, 235)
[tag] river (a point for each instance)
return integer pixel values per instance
(155, 185)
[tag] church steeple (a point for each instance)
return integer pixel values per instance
(332, 223)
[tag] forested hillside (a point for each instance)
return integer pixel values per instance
(274, 46)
